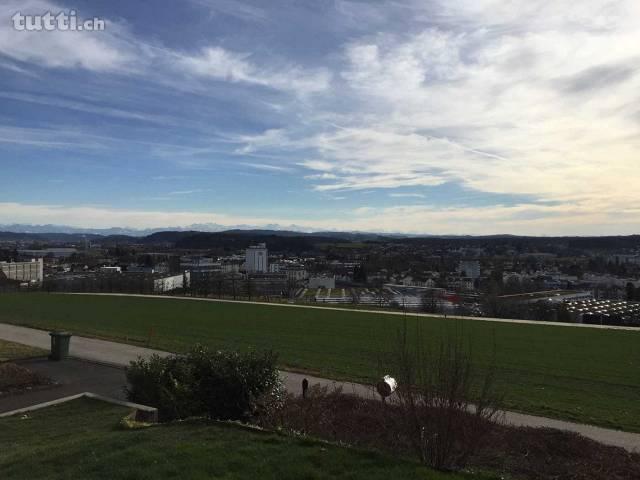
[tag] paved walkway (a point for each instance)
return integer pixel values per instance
(361, 310)
(118, 354)
(72, 377)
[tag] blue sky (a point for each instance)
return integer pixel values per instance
(450, 117)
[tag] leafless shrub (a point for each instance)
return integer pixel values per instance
(527, 453)
(348, 419)
(447, 408)
(16, 378)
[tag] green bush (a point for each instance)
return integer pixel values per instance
(164, 383)
(221, 385)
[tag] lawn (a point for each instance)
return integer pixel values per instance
(15, 351)
(80, 439)
(337, 293)
(311, 292)
(581, 374)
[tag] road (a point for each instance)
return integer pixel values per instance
(118, 354)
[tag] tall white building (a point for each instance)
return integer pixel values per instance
(257, 259)
(32, 271)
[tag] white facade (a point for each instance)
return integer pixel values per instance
(173, 282)
(32, 271)
(257, 259)
(295, 272)
(110, 269)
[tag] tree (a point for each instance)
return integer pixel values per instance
(429, 302)
(360, 274)
(631, 292)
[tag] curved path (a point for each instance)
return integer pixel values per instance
(361, 310)
(119, 354)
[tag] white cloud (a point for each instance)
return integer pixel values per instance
(220, 64)
(48, 138)
(521, 98)
(234, 8)
(100, 51)
(266, 167)
(118, 50)
(88, 108)
(185, 192)
(493, 93)
(407, 195)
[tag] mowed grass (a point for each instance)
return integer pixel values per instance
(15, 351)
(81, 440)
(581, 374)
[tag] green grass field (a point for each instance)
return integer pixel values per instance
(581, 374)
(80, 440)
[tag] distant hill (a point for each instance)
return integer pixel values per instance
(290, 231)
(48, 237)
(297, 241)
(235, 241)
(56, 233)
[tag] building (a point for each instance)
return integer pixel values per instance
(32, 271)
(231, 266)
(294, 271)
(605, 312)
(322, 282)
(551, 296)
(469, 268)
(197, 263)
(622, 259)
(461, 283)
(173, 282)
(110, 269)
(140, 269)
(257, 259)
(48, 252)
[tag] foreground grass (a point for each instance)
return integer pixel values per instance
(580, 374)
(80, 440)
(15, 351)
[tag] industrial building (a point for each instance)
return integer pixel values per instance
(551, 296)
(605, 312)
(32, 271)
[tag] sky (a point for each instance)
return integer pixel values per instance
(416, 116)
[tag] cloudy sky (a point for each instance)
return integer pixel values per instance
(420, 116)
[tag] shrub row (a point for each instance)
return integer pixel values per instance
(219, 384)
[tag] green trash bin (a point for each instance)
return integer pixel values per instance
(59, 345)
